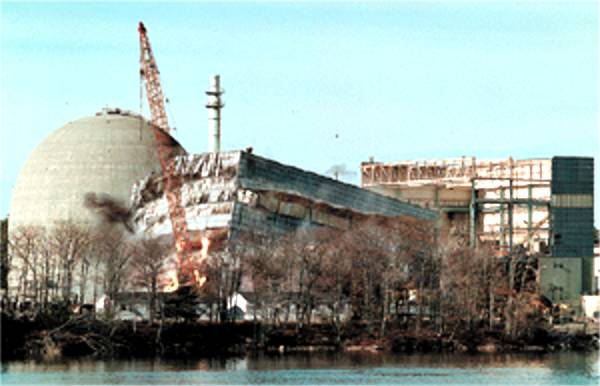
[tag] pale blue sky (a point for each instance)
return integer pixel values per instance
(395, 81)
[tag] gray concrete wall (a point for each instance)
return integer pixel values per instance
(561, 279)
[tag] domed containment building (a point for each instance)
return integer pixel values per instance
(104, 154)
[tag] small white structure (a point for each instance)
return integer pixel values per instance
(102, 304)
(590, 304)
(238, 305)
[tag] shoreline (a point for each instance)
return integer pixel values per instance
(93, 338)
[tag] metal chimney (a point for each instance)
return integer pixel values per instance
(214, 106)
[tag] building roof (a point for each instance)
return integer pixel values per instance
(259, 173)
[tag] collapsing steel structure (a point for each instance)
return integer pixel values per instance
(227, 193)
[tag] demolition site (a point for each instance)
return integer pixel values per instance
(113, 221)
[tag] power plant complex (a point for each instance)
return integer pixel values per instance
(541, 207)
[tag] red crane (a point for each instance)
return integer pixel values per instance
(172, 183)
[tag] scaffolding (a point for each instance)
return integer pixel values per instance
(507, 201)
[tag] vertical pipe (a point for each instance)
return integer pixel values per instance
(473, 216)
(529, 218)
(550, 228)
(502, 225)
(214, 106)
(510, 216)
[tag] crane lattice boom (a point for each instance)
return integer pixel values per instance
(172, 184)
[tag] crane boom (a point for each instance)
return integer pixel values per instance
(172, 183)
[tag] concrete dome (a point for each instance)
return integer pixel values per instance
(103, 154)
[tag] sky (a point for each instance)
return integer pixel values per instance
(314, 84)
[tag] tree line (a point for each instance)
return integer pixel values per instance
(75, 263)
(379, 273)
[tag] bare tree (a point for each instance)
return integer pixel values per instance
(308, 247)
(340, 171)
(334, 285)
(258, 256)
(369, 260)
(148, 262)
(49, 267)
(112, 248)
(69, 242)
(389, 255)
(5, 258)
(223, 270)
(26, 244)
(469, 280)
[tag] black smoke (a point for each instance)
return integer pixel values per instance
(111, 210)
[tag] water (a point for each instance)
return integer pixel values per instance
(332, 369)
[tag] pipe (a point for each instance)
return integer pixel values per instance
(214, 106)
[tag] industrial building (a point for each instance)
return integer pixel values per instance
(102, 154)
(114, 154)
(541, 206)
(233, 192)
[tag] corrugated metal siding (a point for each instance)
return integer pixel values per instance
(263, 174)
(573, 232)
(572, 200)
(247, 219)
(573, 227)
(572, 175)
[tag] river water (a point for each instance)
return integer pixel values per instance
(566, 368)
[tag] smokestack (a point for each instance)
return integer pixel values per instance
(214, 106)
